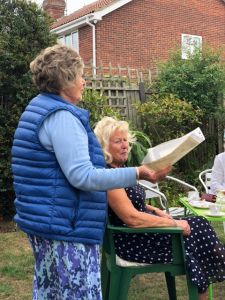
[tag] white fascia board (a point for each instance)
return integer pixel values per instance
(74, 25)
(93, 17)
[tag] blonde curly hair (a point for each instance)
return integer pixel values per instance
(104, 130)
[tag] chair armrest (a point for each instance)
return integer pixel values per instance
(182, 183)
(176, 235)
(145, 229)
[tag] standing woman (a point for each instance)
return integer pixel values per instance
(60, 181)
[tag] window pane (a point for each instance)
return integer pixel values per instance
(75, 40)
(61, 40)
(189, 44)
(68, 40)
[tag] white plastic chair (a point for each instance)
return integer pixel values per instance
(205, 179)
(153, 191)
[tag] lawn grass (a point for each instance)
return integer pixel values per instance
(16, 267)
(16, 273)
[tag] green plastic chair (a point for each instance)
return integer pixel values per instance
(116, 279)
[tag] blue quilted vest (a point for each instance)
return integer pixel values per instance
(47, 205)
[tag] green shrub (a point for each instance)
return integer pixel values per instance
(167, 118)
(24, 31)
(97, 104)
(186, 94)
(199, 80)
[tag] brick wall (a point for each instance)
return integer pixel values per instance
(144, 31)
(85, 43)
(55, 8)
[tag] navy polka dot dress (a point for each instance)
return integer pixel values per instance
(205, 255)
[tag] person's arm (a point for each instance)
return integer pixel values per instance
(218, 176)
(64, 134)
(123, 208)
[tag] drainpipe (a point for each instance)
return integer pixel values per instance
(93, 45)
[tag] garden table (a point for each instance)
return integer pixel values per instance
(200, 211)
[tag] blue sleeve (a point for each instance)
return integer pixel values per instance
(65, 135)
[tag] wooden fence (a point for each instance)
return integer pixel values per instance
(123, 87)
(130, 75)
(120, 96)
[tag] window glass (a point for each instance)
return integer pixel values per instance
(70, 40)
(189, 44)
(61, 40)
(75, 40)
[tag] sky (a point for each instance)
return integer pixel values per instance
(72, 5)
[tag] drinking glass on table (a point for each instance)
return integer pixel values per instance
(193, 196)
(214, 209)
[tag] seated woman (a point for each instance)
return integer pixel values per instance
(218, 174)
(205, 255)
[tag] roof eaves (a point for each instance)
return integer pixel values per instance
(75, 24)
(92, 17)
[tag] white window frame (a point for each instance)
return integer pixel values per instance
(189, 43)
(62, 39)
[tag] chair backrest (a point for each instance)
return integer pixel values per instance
(205, 179)
(152, 191)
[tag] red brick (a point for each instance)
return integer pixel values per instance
(143, 32)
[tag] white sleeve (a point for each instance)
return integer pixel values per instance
(218, 175)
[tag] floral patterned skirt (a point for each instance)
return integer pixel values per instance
(65, 270)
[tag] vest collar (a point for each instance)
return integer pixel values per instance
(60, 99)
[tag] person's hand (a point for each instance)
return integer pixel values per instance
(151, 175)
(185, 226)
